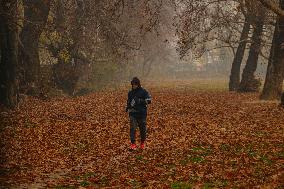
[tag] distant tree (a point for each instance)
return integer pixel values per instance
(238, 58)
(275, 71)
(88, 33)
(35, 18)
(249, 83)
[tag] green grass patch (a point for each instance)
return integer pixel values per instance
(88, 175)
(221, 183)
(104, 181)
(197, 149)
(238, 149)
(203, 151)
(260, 133)
(84, 183)
(225, 147)
(196, 155)
(192, 159)
(215, 184)
(29, 124)
(194, 179)
(184, 162)
(81, 146)
(171, 166)
(65, 187)
(209, 85)
(181, 185)
(234, 163)
(218, 85)
(139, 158)
(208, 185)
(86, 179)
(266, 160)
(250, 151)
(280, 155)
(196, 159)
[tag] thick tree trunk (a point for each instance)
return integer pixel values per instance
(67, 74)
(9, 53)
(249, 83)
(35, 14)
(275, 70)
(236, 66)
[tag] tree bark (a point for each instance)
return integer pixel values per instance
(272, 6)
(35, 14)
(275, 71)
(236, 66)
(9, 53)
(67, 74)
(249, 83)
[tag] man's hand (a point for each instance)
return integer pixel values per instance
(133, 102)
(148, 100)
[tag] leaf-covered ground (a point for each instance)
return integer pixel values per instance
(195, 139)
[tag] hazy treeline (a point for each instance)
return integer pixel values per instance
(79, 45)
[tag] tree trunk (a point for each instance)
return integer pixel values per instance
(275, 70)
(67, 74)
(35, 14)
(236, 66)
(147, 65)
(249, 83)
(9, 54)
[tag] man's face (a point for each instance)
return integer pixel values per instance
(134, 86)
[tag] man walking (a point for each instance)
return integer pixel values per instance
(138, 99)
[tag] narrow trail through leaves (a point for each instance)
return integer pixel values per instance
(195, 139)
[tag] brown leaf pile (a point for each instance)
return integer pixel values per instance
(195, 139)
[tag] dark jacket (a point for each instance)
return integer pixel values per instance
(137, 102)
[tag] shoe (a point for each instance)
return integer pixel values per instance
(142, 146)
(133, 147)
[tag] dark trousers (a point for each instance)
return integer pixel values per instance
(137, 122)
